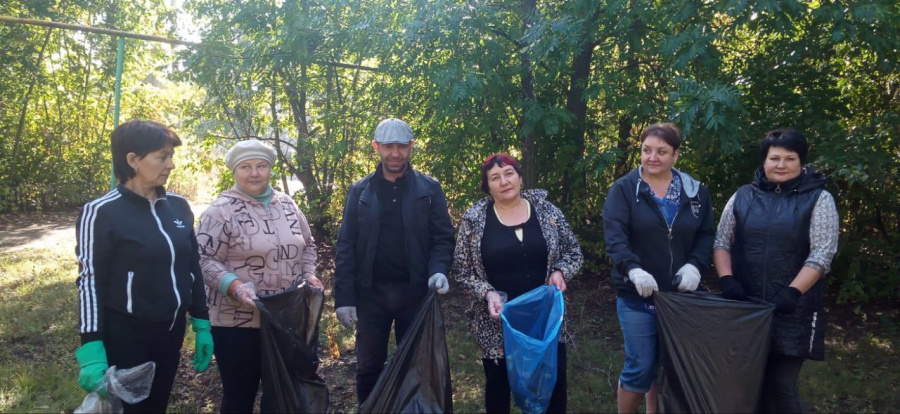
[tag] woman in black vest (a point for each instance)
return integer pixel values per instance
(775, 241)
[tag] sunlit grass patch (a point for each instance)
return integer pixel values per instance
(858, 378)
(38, 301)
(466, 372)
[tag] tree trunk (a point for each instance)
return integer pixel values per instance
(576, 104)
(623, 145)
(528, 154)
(17, 140)
(302, 167)
(277, 134)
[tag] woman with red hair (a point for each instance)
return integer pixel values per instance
(512, 241)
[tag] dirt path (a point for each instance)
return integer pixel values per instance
(37, 230)
(43, 230)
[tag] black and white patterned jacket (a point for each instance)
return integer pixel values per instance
(563, 251)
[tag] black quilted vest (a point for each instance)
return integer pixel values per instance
(771, 246)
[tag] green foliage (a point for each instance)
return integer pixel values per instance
(57, 112)
(565, 86)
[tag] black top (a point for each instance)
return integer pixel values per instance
(390, 254)
(513, 266)
(428, 232)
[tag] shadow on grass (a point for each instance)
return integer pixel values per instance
(38, 336)
(860, 370)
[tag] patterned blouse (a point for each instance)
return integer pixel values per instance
(669, 204)
(563, 254)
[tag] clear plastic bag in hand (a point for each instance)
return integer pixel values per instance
(131, 385)
(94, 403)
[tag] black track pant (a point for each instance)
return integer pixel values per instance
(130, 342)
(238, 357)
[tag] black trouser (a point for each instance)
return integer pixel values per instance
(781, 393)
(377, 310)
(130, 342)
(238, 357)
(496, 389)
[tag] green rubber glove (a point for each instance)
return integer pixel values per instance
(92, 360)
(203, 344)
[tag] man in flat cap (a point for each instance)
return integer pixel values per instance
(395, 243)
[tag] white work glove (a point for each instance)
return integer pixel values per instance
(643, 282)
(690, 278)
(347, 316)
(494, 304)
(245, 293)
(438, 283)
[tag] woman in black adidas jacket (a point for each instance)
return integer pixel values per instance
(139, 269)
(659, 232)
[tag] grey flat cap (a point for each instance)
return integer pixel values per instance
(393, 130)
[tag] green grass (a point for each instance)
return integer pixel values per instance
(860, 373)
(38, 336)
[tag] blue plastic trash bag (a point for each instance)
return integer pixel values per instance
(531, 327)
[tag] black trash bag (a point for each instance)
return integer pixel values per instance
(417, 378)
(290, 335)
(713, 352)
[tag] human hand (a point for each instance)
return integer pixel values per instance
(690, 278)
(643, 282)
(731, 288)
(315, 282)
(203, 344)
(245, 293)
(786, 301)
(347, 316)
(438, 283)
(494, 304)
(92, 360)
(557, 279)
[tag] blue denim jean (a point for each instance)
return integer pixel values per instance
(638, 321)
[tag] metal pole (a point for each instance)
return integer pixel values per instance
(67, 26)
(120, 60)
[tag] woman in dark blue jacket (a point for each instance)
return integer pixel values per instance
(659, 232)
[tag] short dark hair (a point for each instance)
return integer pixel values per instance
(787, 138)
(499, 159)
(140, 137)
(665, 131)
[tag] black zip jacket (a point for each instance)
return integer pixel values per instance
(427, 225)
(137, 258)
(637, 235)
(772, 225)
